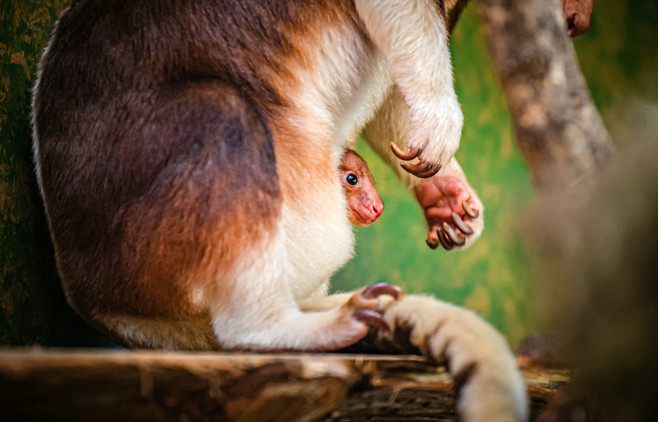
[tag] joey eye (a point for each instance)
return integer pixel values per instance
(352, 179)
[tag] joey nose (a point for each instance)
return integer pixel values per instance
(377, 210)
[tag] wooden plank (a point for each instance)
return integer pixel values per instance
(140, 386)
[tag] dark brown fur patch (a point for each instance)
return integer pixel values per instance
(462, 377)
(162, 128)
(155, 146)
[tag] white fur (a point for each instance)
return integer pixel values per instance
(391, 124)
(346, 82)
(316, 248)
(495, 391)
(414, 40)
(275, 320)
(352, 76)
(338, 91)
(343, 84)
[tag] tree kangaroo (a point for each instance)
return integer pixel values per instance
(188, 156)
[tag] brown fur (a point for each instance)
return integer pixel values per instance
(126, 222)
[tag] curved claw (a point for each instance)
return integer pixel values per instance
(431, 242)
(470, 211)
(432, 170)
(406, 156)
(421, 169)
(372, 292)
(454, 237)
(445, 242)
(372, 318)
(463, 227)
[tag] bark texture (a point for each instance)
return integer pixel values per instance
(150, 386)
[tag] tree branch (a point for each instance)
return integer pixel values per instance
(559, 130)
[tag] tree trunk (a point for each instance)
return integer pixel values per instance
(559, 130)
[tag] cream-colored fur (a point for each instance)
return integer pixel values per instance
(414, 40)
(494, 390)
(416, 75)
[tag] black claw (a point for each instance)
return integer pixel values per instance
(457, 240)
(432, 243)
(415, 168)
(413, 153)
(470, 211)
(431, 171)
(445, 242)
(463, 227)
(421, 169)
(379, 289)
(372, 318)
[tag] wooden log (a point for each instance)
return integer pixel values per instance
(147, 386)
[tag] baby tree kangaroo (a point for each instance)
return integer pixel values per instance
(364, 205)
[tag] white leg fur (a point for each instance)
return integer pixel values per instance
(264, 315)
(414, 40)
(493, 389)
(391, 124)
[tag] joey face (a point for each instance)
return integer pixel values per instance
(363, 202)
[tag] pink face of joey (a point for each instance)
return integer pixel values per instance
(363, 202)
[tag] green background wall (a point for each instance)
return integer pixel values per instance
(494, 277)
